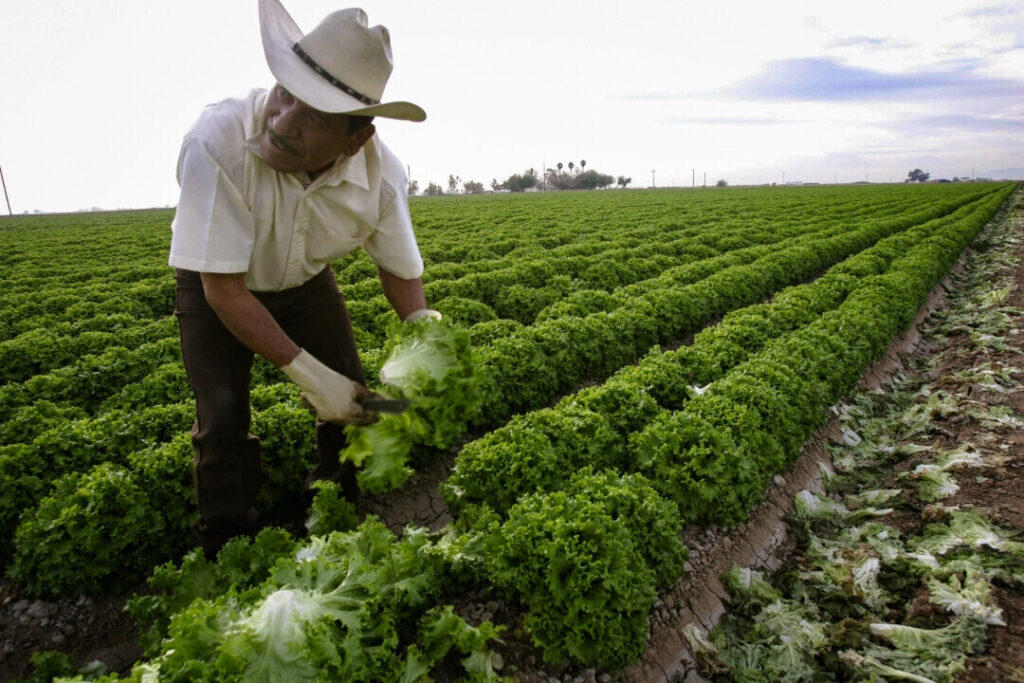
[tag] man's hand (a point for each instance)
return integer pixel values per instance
(331, 394)
(422, 313)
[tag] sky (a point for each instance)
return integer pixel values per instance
(98, 94)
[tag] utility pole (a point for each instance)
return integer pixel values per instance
(652, 178)
(705, 178)
(693, 177)
(8, 199)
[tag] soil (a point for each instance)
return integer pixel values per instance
(97, 628)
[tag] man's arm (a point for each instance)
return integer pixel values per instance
(405, 296)
(331, 394)
(247, 318)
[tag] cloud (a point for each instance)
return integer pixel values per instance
(993, 124)
(996, 11)
(823, 79)
(867, 41)
(1014, 173)
(730, 120)
(828, 80)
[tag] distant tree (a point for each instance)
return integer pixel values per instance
(559, 166)
(559, 179)
(472, 187)
(622, 181)
(519, 182)
(571, 166)
(722, 183)
(495, 185)
(591, 179)
(453, 183)
(414, 188)
(583, 164)
(433, 190)
(917, 176)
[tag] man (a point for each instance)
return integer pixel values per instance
(273, 187)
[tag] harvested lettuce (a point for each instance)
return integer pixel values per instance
(814, 508)
(921, 654)
(341, 607)
(934, 483)
(432, 363)
(970, 596)
(968, 529)
(380, 451)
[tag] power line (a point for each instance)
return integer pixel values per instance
(8, 199)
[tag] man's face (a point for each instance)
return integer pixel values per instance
(297, 137)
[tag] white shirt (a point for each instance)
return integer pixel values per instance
(238, 215)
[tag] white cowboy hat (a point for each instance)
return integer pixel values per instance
(340, 67)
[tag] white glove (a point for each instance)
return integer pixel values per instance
(422, 313)
(330, 393)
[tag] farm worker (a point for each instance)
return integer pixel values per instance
(274, 186)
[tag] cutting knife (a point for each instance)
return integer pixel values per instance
(382, 404)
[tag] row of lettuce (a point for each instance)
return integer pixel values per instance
(52, 311)
(872, 591)
(575, 510)
(137, 395)
(524, 367)
(706, 427)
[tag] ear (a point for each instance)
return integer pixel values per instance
(359, 139)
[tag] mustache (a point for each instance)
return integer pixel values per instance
(281, 141)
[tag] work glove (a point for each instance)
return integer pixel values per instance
(331, 394)
(422, 313)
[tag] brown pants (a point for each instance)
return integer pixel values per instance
(218, 367)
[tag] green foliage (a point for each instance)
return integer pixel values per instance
(330, 510)
(535, 452)
(465, 311)
(48, 665)
(593, 281)
(432, 363)
(74, 521)
(652, 521)
(104, 528)
(581, 576)
(338, 608)
(380, 451)
(694, 463)
(241, 564)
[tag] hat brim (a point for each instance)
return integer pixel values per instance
(280, 33)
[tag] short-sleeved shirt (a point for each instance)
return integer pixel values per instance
(238, 215)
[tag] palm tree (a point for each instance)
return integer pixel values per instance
(559, 165)
(570, 167)
(583, 165)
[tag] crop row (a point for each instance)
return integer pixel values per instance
(585, 550)
(711, 450)
(514, 290)
(33, 559)
(41, 282)
(120, 376)
(521, 293)
(501, 466)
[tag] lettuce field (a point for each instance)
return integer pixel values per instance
(648, 362)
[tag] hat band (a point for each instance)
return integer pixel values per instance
(331, 79)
